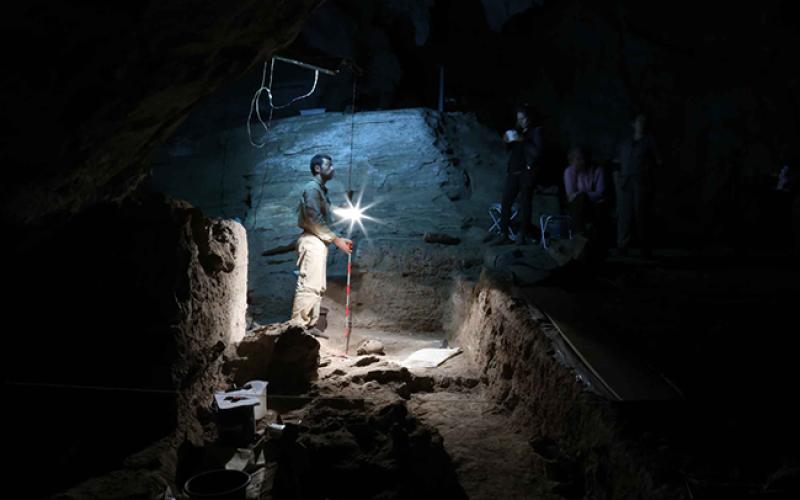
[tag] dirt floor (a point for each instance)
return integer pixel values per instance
(489, 455)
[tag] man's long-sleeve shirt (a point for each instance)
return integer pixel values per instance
(589, 181)
(525, 153)
(314, 211)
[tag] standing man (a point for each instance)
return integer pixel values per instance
(525, 145)
(638, 157)
(312, 247)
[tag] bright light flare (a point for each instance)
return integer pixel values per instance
(354, 215)
(351, 213)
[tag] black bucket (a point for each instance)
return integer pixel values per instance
(219, 484)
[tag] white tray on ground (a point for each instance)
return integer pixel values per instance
(429, 357)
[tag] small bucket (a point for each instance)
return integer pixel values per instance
(218, 484)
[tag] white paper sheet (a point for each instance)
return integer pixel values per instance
(429, 357)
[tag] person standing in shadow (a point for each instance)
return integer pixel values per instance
(524, 143)
(635, 181)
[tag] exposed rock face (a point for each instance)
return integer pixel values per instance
(420, 172)
(413, 179)
(112, 84)
(128, 310)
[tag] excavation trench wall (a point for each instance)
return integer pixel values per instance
(524, 372)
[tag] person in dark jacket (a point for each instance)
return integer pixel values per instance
(635, 181)
(525, 147)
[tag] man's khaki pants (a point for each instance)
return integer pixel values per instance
(311, 283)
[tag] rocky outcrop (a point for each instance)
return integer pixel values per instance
(128, 310)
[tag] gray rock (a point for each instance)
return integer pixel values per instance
(366, 360)
(444, 239)
(370, 346)
(280, 249)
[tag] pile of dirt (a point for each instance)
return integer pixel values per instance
(282, 354)
(347, 449)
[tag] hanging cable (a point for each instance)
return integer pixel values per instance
(313, 87)
(254, 106)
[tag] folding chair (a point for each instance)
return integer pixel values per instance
(555, 226)
(495, 212)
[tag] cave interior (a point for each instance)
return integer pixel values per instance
(155, 156)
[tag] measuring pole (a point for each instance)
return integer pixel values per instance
(348, 322)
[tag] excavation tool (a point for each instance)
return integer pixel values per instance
(354, 214)
(348, 320)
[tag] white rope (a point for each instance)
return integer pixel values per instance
(254, 102)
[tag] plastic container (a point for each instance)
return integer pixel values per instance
(253, 393)
(259, 389)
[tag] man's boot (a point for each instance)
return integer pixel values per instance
(322, 321)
